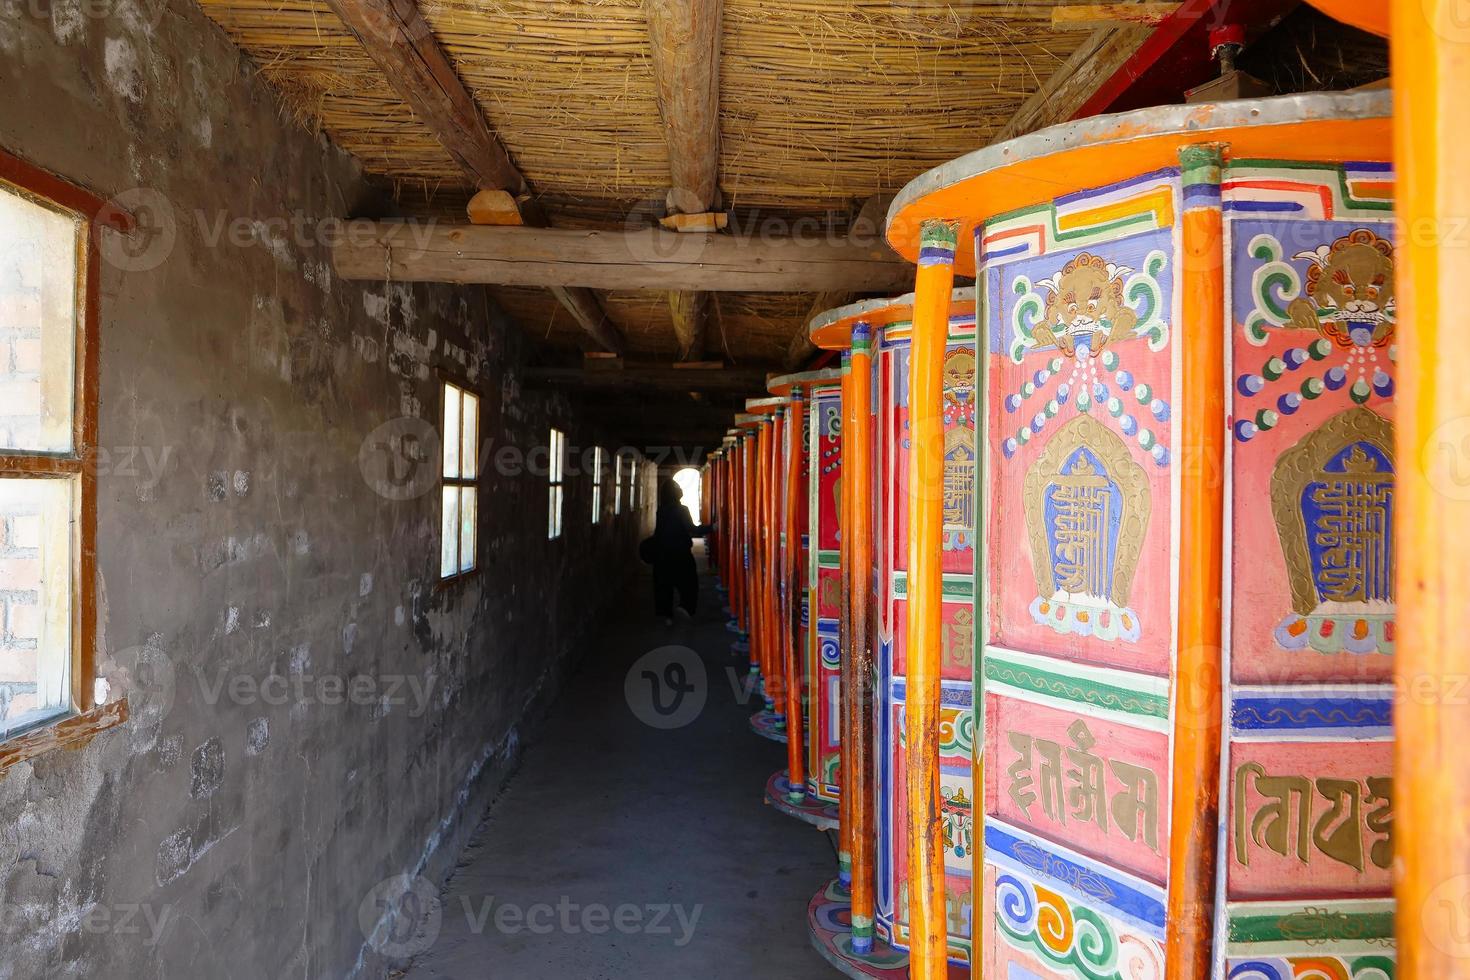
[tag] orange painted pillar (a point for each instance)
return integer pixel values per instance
(846, 823)
(737, 530)
(775, 653)
(766, 530)
(858, 735)
(791, 598)
(1195, 809)
(747, 533)
(759, 592)
(1430, 44)
(935, 280)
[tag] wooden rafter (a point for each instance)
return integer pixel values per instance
(396, 36)
(685, 39)
(646, 259)
(1061, 95)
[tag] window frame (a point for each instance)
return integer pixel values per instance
(447, 380)
(556, 459)
(90, 213)
(599, 463)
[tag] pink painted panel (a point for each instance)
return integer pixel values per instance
(1309, 820)
(1312, 458)
(1080, 442)
(957, 640)
(956, 789)
(1095, 785)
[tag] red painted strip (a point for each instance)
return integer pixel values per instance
(1286, 185)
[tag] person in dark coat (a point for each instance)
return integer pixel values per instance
(674, 570)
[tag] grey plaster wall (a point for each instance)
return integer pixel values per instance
(245, 550)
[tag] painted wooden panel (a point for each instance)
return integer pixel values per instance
(824, 719)
(956, 790)
(958, 637)
(1080, 375)
(1079, 301)
(1312, 308)
(1308, 781)
(1056, 916)
(1082, 779)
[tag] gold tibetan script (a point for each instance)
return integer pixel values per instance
(1283, 820)
(1073, 785)
(1084, 561)
(1335, 526)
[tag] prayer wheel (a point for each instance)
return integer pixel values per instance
(812, 794)
(874, 336)
(1187, 503)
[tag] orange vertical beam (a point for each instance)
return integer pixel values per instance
(857, 734)
(846, 681)
(791, 595)
(747, 527)
(759, 592)
(935, 279)
(1195, 810)
(773, 563)
(737, 533)
(1430, 48)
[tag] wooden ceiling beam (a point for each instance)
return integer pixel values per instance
(665, 377)
(1094, 62)
(685, 39)
(396, 36)
(644, 259)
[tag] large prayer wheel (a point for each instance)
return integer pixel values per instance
(875, 334)
(819, 573)
(1187, 493)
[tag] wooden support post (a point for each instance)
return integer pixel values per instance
(396, 36)
(1195, 810)
(1431, 82)
(747, 534)
(770, 525)
(690, 312)
(847, 683)
(928, 957)
(757, 555)
(791, 601)
(857, 733)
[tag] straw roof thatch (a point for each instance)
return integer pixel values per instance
(823, 104)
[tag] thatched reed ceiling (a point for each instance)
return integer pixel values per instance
(823, 104)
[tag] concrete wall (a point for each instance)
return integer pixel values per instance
(245, 534)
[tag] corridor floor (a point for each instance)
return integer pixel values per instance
(625, 850)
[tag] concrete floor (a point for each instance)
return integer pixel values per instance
(610, 816)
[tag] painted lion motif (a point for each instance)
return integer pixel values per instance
(1085, 303)
(1349, 291)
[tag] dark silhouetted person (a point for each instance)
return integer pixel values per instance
(674, 532)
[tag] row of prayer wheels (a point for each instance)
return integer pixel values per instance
(1073, 593)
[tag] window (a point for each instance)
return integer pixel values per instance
(555, 470)
(617, 484)
(48, 431)
(597, 466)
(460, 517)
